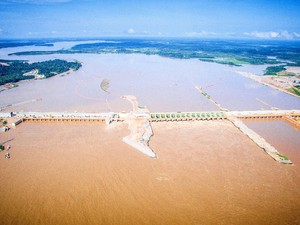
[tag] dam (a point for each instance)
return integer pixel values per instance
(141, 132)
(153, 116)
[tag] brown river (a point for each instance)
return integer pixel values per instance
(205, 173)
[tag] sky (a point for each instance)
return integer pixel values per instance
(258, 19)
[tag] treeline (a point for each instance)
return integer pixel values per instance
(273, 70)
(233, 52)
(20, 43)
(14, 70)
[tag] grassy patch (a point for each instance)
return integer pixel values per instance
(283, 156)
(286, 74)
(230, 61)
(294, 90)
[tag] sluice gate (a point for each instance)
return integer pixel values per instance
(186, 116)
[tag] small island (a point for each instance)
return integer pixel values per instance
(17, 70)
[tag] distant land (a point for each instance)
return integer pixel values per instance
(279, 56)
(231, 52)
(16, 70)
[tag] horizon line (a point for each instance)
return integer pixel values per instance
(148, 37)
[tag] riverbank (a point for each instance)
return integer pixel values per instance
(206, 173)
(8, 86)
(279, 83)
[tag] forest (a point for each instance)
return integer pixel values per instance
(12, 71)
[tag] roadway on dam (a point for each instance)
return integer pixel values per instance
(154, 116)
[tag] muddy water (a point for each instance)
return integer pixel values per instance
(205, 173)
(162, 84)
(284, 137)
(158, 83)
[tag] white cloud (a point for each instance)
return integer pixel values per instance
(131, 31)
(297, 35)
(201, 34)
(273, 35)
(210, 34)
(255, 34)
(44, 33)
(33, 33)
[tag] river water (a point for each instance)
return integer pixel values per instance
(161, 84)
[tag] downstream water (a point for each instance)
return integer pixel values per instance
(284, 137)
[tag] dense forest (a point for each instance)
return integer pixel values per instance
(273, 70)
(12, 71)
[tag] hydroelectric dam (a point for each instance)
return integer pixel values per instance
(140, 140)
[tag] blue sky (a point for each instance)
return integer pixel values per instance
(262, 19)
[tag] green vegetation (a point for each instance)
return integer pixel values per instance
(273, 70)
(3, 121)
(295, 90)
(13, 72)
(285, 74)
(235, 53)
(230, 61)
(282, 156)
(1, 148)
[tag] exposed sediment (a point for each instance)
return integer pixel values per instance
(263, 80)
(140, 128)
(261, 142)
(140, 134)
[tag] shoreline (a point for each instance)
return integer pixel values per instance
(20, 82)
(258, 80)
